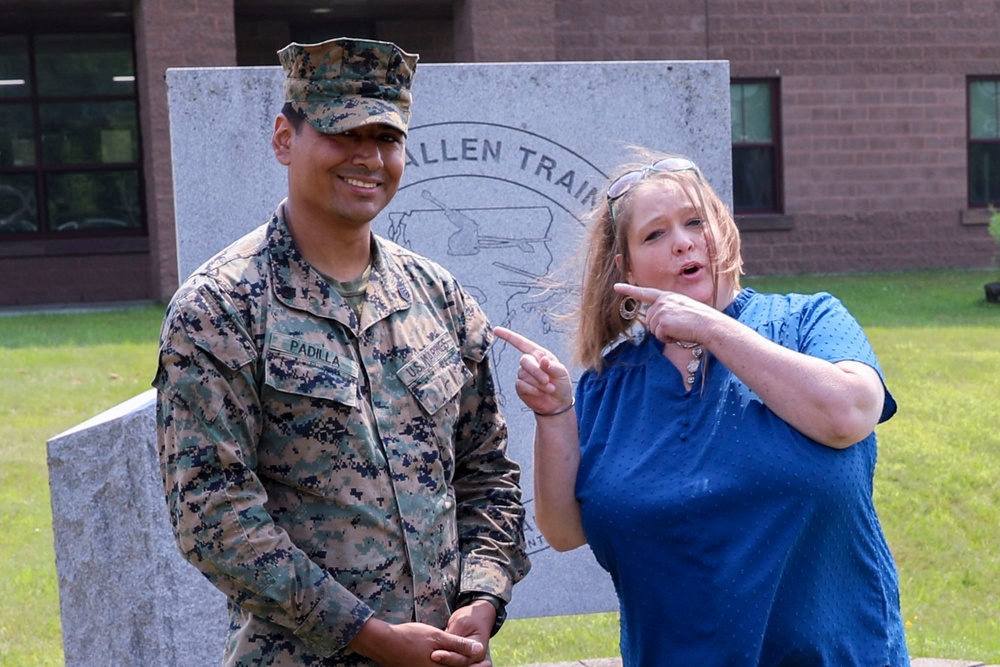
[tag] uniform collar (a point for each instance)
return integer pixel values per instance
(298, 285)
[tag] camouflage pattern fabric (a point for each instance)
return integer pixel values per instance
(341, 84)
(319, 469)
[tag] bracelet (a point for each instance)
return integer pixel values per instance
(557, 412)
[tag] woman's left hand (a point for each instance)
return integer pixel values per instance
(671, 316)
(835, 404)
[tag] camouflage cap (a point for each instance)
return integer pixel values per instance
(343, 83)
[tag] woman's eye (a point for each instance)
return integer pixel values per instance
(694, 223)
(652, 236)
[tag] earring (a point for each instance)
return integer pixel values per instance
(629, 308)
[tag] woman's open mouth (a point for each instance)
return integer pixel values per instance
(690, 270)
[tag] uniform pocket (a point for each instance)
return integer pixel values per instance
(309, 397)
(436, 374)
(311, 371)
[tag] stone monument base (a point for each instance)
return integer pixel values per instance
(126, 595)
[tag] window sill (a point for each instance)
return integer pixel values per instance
(765, 222)
(974, 217)
(122, 245)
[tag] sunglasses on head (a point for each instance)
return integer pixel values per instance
(624, 183)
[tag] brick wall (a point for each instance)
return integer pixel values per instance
(172, 33)
(629, 30)
(846, 243)
(873, 143)
(433, 40)
(73, 279)
(873, 106)
(168, 33)
(854, 36)
(873, 109)
(505, 30)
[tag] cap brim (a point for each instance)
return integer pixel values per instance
(334, 119)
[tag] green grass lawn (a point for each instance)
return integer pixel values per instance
(937, 486)
(55, 372)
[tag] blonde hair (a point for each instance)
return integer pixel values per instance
(599, 322)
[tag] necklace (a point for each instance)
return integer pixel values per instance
(696, 351)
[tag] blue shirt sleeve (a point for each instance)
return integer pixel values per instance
(821, 326)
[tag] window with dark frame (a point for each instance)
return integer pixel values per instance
(984, 141)
(756, 149)
(70, 159)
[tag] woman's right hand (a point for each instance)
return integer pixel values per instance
(543, 382)
(545, 386)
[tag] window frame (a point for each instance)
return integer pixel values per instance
(777, 168)
(45, 239)
(970, 141)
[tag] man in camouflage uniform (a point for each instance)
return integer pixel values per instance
(332, 451)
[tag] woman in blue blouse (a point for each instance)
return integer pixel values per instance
(718, 459)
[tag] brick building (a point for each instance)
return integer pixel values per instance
(865, 132)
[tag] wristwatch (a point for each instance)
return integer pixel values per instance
(465, 599)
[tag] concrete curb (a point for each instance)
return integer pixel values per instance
(617, 662)
(939, 662)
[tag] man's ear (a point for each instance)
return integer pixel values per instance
(281, 139)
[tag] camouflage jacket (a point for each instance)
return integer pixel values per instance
(320, 470)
